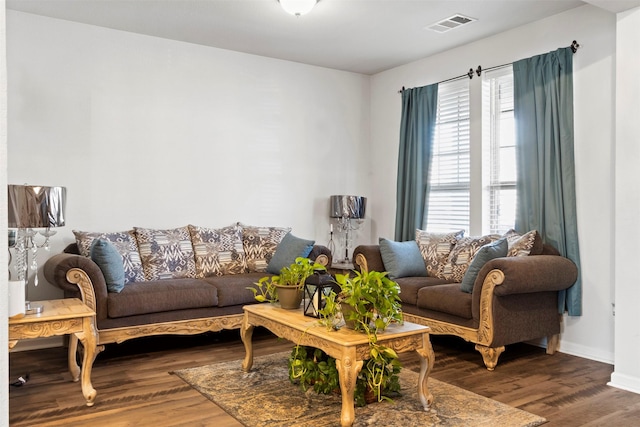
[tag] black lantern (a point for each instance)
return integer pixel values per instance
(316, 290)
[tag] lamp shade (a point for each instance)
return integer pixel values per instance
(31, 206)
(297, 7)
(348, 207)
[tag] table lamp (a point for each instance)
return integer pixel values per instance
(346, 208)
(31, 207)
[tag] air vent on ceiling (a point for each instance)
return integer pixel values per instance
(450, 23)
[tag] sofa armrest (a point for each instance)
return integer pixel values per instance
(368, 257)
(537, 273)
(58, 266)
(321, 254)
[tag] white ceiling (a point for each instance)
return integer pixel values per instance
(363, 36)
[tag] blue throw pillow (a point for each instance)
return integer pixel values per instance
(497, 249)
(109, 260)
(289, 248)
(402, 259)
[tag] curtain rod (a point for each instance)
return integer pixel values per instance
(574, 48)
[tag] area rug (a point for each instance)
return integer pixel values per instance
(265, 397)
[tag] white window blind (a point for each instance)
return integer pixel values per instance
(449, 173)
(499, 150)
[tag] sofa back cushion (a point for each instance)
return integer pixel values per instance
(166, 254)
(218, 251)
(110, 262)
(260, 244)
(462, 254)
(125, 244)
(402, 259)
(289, 248)
(496, 249)
(435, 249)
(526, 244)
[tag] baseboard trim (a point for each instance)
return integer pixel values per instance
(625, 382)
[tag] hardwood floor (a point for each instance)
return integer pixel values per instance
(135, 386)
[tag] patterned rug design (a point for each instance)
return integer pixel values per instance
(264, 397)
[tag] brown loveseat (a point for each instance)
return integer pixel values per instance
(179, 306)
(514, 299)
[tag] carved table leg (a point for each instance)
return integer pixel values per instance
(427, 357)
(88, 339)
(246, 334)
(490, 355)
(348, 369)
(74, 369)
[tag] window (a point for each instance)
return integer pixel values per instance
(454, 203)
(499, 151)
(449, 174)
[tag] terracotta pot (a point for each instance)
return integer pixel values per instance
(290, 297)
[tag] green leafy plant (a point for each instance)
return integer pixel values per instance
(370, 301)
(312, 367)
(293, 276)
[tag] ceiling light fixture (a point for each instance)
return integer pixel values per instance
(297, 7)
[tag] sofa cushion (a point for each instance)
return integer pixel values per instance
(161, 295)
(409, 287)
(166, 254)
(497, 249)
(260, 244)
(289, 248)
(447, 298)
(232, 289)
(462, 254)
(435, 249)
(217, 251)
(402, 259)
(526, 244)
(110, 262)
(126, 245)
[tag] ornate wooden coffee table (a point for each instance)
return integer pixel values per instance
(349, 348)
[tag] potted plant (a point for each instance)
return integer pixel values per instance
(370, 301)
(286, 287)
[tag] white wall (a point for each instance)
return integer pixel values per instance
(590, 335)
(151, 132)
(627, 334)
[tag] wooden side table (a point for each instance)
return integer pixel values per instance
(340, 268)
(62, 317)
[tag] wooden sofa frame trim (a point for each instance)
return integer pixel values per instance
(483, 335)
(80, 278)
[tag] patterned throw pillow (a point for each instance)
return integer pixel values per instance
(125, 244)
(166, 254)
(218, 251)
(462, 254)
(521, 245)
(435, 249)
(260, 244)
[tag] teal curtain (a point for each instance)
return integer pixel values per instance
(419, 110)
(543, 108)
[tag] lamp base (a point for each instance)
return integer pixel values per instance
(30, 308)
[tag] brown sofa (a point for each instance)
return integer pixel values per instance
(178, 306)
(514, 299)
